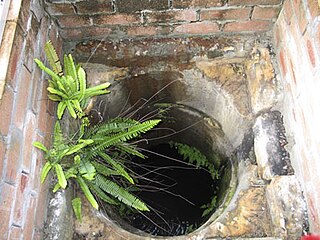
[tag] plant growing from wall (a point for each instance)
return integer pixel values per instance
(93, 156)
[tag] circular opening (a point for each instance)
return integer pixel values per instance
(185, 176)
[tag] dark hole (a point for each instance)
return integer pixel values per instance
(174, 189)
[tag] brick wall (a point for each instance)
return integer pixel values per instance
(297, 39)
(25, 116)
(131, 18)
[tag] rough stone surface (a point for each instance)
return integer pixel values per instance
(286, 202)
(262, 83)
(269, 145)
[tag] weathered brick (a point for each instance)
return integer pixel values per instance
(287, 11)
(253, 2)
(6, 105)
(128, 6)
(60, 9)
(188, 15)
(142, 31)
(300, 12)
(36, 89)
(20, 200)
(14, 157)
(84, 33)
(265, 12)
(197, 28)
(3, 150)
(41, 208)
(310, 50)
(248, 26)
(6, 202)
(29, 225)
(28, 137)
(24, 14)
(226, 14)
(116, 19)
(314, 8)
(15, 58)
(74, 21)
(93, 6)
(282, 61)
(22, 96)
(28, 55)
(15, 233)
(197, 3)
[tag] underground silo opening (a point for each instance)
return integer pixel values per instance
(187, 172)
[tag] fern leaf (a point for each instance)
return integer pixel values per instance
(102, 195)
(45, 170)
(120, 193)
(132, 132)
(130, 149)
(120, 170)
(51, 73)
(87, 192)
(82, 82)
(53, 58)
(76, 205)
(71, 109)
(104, 170)
(60, 110)
(61, 177)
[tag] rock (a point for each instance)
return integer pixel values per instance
(287, 207)
(261, 81)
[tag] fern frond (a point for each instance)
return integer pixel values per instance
(120, 193)
(130, 149)
(117, 166)
(53, 58)
(104, 170)
(101, 194)
(132, 132)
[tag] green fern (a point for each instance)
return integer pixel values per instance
(194, 156)
(121, 194)
(68, 87)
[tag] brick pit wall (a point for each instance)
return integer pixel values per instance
(27, 115)
(297, 40)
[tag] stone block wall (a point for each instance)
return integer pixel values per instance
(83, 19)
(297, 40)
(26, 115)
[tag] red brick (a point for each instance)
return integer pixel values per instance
(142, 31)
(129, 6)
(253, 2)
(287, 11)
(41, 208)
(6, 105)
(300, 13)
(15, 233)
(265, 12)
(20, 200)
(226, 14)
(60, 9)
(116, 19)
(24, 14)
(28, 137)
(3, 150)
(74, 21)
(6, 201)
(197, 28)
(197, 3)
(36, 89)
(14, 157)
(15, 58)
(93, 7)
(188, 15)
(28, 228)
(283, 63)
(248, 26)
(314, 8)
(311, 52)
(22, 96)
(84, 33)
(31, 41)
